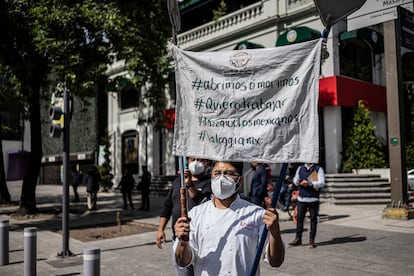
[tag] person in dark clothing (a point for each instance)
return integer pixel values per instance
(288, 187)
(259, 184)
(310, 178)
(145, 188)
(127, 184)
(92, 187)
(76, 180)
(198, 185)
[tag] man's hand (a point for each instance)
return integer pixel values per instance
(160, 238)
(304, 183)
(182, 228)
(271, 219)
(182, 232)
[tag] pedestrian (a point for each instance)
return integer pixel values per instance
(258, 188)
(76, 180)
(310, 178)
(288, 187)
(126, 184)
(145, 188)
(92, 187)
(197, 181)
(221, 236)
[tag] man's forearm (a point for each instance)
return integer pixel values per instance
(163, 222)
(276, 249)
(183, 253)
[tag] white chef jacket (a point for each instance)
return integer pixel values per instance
(224, 241)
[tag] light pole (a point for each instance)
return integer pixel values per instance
(56, 128)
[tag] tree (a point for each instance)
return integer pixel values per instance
(105, 169)
(363, 149)
(71, 42)
(8, 101)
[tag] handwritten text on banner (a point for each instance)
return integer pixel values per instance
(248, 105)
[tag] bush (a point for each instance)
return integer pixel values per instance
(363, 150)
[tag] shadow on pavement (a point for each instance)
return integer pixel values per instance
(341, 240)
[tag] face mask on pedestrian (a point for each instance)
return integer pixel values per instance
(196, 167)
(224, 187)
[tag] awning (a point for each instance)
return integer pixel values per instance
(169, 117)
(192, 3)
(373, 38)
(247, 45)
(298, 34)
(344, 91)
(118, 83)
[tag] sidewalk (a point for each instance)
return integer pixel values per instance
(137, 254)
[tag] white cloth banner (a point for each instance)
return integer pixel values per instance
(248, 105)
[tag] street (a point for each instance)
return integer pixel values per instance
(351, 240)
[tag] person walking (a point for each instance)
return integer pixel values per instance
(258, 188)
(127, 184)
(197, 181)
(92, 187)
(145, 189)
(76, 180)
(221, 236)
(310, 178)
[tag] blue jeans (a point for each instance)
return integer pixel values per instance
(286, 195)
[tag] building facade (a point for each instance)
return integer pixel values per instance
(353, 71)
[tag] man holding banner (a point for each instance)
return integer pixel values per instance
(251, 105)
(220, 237)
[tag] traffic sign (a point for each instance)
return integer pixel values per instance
(374, 12)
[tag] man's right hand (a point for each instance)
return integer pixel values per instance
(160, 238)
(182, 228)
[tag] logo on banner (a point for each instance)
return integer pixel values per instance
(240, 60)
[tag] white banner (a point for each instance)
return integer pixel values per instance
(248, 105)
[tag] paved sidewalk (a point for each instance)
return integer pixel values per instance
(137, 254)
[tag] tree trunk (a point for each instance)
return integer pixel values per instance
(4, 192)
(28, 196)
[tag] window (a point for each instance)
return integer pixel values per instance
(130, 151)
(356, 59)
(129, 97)
(197, 13)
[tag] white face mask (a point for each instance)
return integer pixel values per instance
(223, 187)
(196, 167)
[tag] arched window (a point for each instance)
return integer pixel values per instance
(130, 151)
(357, 50)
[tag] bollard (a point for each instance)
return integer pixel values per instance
(4, 242)
(30, 251)
(91, 262)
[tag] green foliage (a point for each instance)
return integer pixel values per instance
(46, 42)
(409, 151)
(409, 124)
(74, 41)
(362, 148)
(220, 11)
(105, 169)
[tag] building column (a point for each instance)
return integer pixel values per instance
(333, 138)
